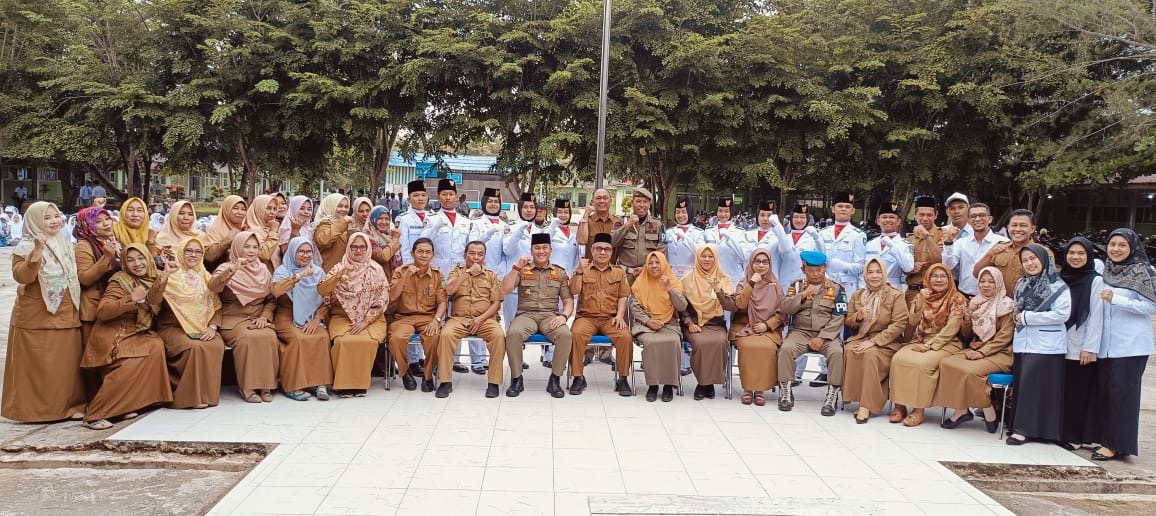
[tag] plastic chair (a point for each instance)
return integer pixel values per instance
(538, 339)
(1001, 381)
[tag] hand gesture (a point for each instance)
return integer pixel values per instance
(297, 222)
(475, 268)
(170, 267)
(755, 278)
(38, 243)
(260, 323)
(920, 348)
(432, 329)
(666, 282)
(139, 294)
(953, 232)
(618, 322)
(394, 234)
(1105, 294)
(866, 312)
(210, 333)
(584, 263)
(475, 325)
(523, 261)
(761, 327)
(921, 231)
(815, 344)
(654, 324)
(631, 221)
(311, 327)
(305, 273)
(918, 267)
(810, 291)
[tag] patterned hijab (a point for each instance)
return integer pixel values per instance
(128, 281)
(128, 235)
(986, 311)
(766, 295)
(938, 307)
(698, 285)
(222, 229)
(296, 204)
(86, 221)
(251, 281)
(57, 274)
(1135, 272)
(188, 294)
(1037, 293)
(172, 234)
(306, 299)
(650, 292)
(364, 292)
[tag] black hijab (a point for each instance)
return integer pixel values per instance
(1079, 280)
(1135, 272)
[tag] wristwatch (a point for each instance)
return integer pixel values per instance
(213, 327)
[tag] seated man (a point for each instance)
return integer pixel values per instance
(477, 295)
(602, 291)
(417, 298)
(540, 285)
(816, 307)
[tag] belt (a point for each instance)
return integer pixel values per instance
(915, 286)
(631, 270)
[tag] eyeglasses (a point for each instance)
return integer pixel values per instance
(762, 262)
(602, 249)
(358, 247)
(977, 215)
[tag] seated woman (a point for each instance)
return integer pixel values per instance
(386, 240)
(218, 238)
(123, 348)
(356, 292)
(247, 318)
(706, 287)
(1082, 412)
(299, 321)
(42, 380)
(188, 324)
(963, 376)
(654, 310)
(758, 328)
(937, 318)
(331, 233)
(1043, 304)
(878, 314)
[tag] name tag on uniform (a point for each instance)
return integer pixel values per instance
(528, 275)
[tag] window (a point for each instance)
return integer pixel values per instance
(582, 199)
(49, 174)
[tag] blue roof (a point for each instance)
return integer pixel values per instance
(460, 163)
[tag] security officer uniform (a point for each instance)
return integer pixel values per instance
(540, 291)
(820, 316)
(634, 244)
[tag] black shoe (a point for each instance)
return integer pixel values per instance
(684, 372)
(554, 386)
(1016, 442)
(459, 368)
(623, 387)
(699, 393)
(492, 390)
(427, 386)
(820, 381)
(709, 392)
(480, 369)
(1097, 456)
(667, 393)
(444, 390)
(408, 381)
(516, 387)
(992, 426)
(586, 360)
(525, 366)
(577, 385)
(950, 425)
(547, 364)
(417, 369)
(796, 383)
(652, 393)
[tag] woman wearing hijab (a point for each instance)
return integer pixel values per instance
(654, 309)
(385, 238)
(132, 225)
(757, 327)
(1043, 304)
(937, 318)
(356, 292)
(247, 318)
(298, 221)
(123, 349)
(300, 323)
(282, 204)
(1081, 411)
(98, 255)
(963, 376)
(709, 291)
(42, 380)
(188, 324)
(878, 315)
(359, 211)
(218, 238)
(1125, 344)
(261, 220)
(179, 225)
(332, 231)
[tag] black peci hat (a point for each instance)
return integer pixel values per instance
(447, 184)
(415, 186)
(601, 237)
(539, 238)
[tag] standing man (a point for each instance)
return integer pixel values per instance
(597, 219)
(602, 291)
(846, 245)
(1005, 256)
(891, 248)
(729, 240)
(477, 294)
(417, 298)
(816, 307)
(449, 231)
(540, 286)
(965, 253)
(20, 195)
(682, 239)
(412, 223)
(97, 192)
(958, 225)
(86, 194)
(638, 235)
(927, 241)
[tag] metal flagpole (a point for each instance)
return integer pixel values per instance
(600, 166)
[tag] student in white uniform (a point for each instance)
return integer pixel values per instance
(490, 227)
(1081, 412)
(411, 225)
(682, 239)
(890, 247)
(729, 240)
(515, 245)
(564, 253)
(770, 236)
(804, 236)
(846, 245)
(449, 231)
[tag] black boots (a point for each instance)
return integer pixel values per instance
(554, 387)
(516, 387)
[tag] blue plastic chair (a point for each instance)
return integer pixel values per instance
(538, 339)
(1001, 381)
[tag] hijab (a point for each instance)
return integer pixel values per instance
(255, 216)
(296, 203)
(1037, 293)
(1079, 280)
(699, 289)
(766, 294)
(188, 294)
(222, 229)
(306, 299)
(486, 200)
(251, 281)
(650, 292)
(85, 230)
(328, 209)
(364, 292)
(57, 274)
(124, 233)
(873, 297)
(938, 307)
(986, 311)
(380, 240)
(353, 211)
(172, 234)
(1135, 272)
(128, 282)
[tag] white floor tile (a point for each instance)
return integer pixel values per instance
(795, 486)
(377, 476)
(448, 477)
(728, 485)
(658, 482)
(590, 481)
(304, 475)
(519, 479)
(872, 489)
(467, 456)
(361, 500)
(283, 500)
(506, 503)
(437, 501)
(329, 453)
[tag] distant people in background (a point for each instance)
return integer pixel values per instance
(20, 194)
(463, 205)
(97, 192)
(86, 194)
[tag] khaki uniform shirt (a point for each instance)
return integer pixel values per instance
(816, 317)
(420, 293)
(540, 289)
(633, 245)
(937, 235)
(1006, 258)
(476, 293)
(600, 225)
(600, 290)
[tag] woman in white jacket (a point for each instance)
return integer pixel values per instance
(1081, 417)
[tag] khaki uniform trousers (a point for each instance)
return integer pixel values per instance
(458, 328)
(796, 344)
(401, 330)
(585, 328)
(527, 324)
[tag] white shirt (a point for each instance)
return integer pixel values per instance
(1126, 325)
(565, 247)
(516, 243)
(729, 240)
(449, 239)
(1079, 338)
(845, 256)
(785, 260)
(1044, 332)
(681, 243)
(490, 229)
(897, 255)
(965, 254)
(410, 225)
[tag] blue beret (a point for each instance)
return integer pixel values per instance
(813, 258)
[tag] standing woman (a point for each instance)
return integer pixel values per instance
(132, 227)
(357, 292)
(1082, 412)
(97, 258)
(42, 379)
(282, 204)
(657, 301)
(218, 238)
(124, 350)
(261, 219)
(332, 231)
(709, 291)
(385, 238)
(938, 318)
(179, 225)
(1129, 302)
(362, 207)
(188, 323)
(1043, 304)
(300, 323)
(759, 327)
(247, 318)
(298, 221)
(878, 314)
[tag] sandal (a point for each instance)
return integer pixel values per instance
(130, 415)
(344, 394)
(99, 424)
(759, 399)
(297, 395)
(898, 414)
(747, 398)
(266, 396)
(321, 393)
(914, 419)
(360, 394)
(250, 396)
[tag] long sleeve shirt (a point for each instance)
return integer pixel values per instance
(1044, 332)
(1126, 325)
(964, 253)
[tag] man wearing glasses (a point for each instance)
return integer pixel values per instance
(966, 252)
(602, 291)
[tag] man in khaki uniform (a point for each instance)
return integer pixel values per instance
(639, 235)
(816, 307)
(417, 297)
(1005, 256)
(602, 291)
(477, 295)
(540, 285)
(596, 219)
(927, 240)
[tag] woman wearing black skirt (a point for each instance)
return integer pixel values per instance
(1043, 304)
(1081, 413)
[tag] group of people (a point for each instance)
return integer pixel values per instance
(132, 317)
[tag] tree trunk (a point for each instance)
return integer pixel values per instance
(248, 164)
(100, 175)
(382, 148)
(146, 183)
